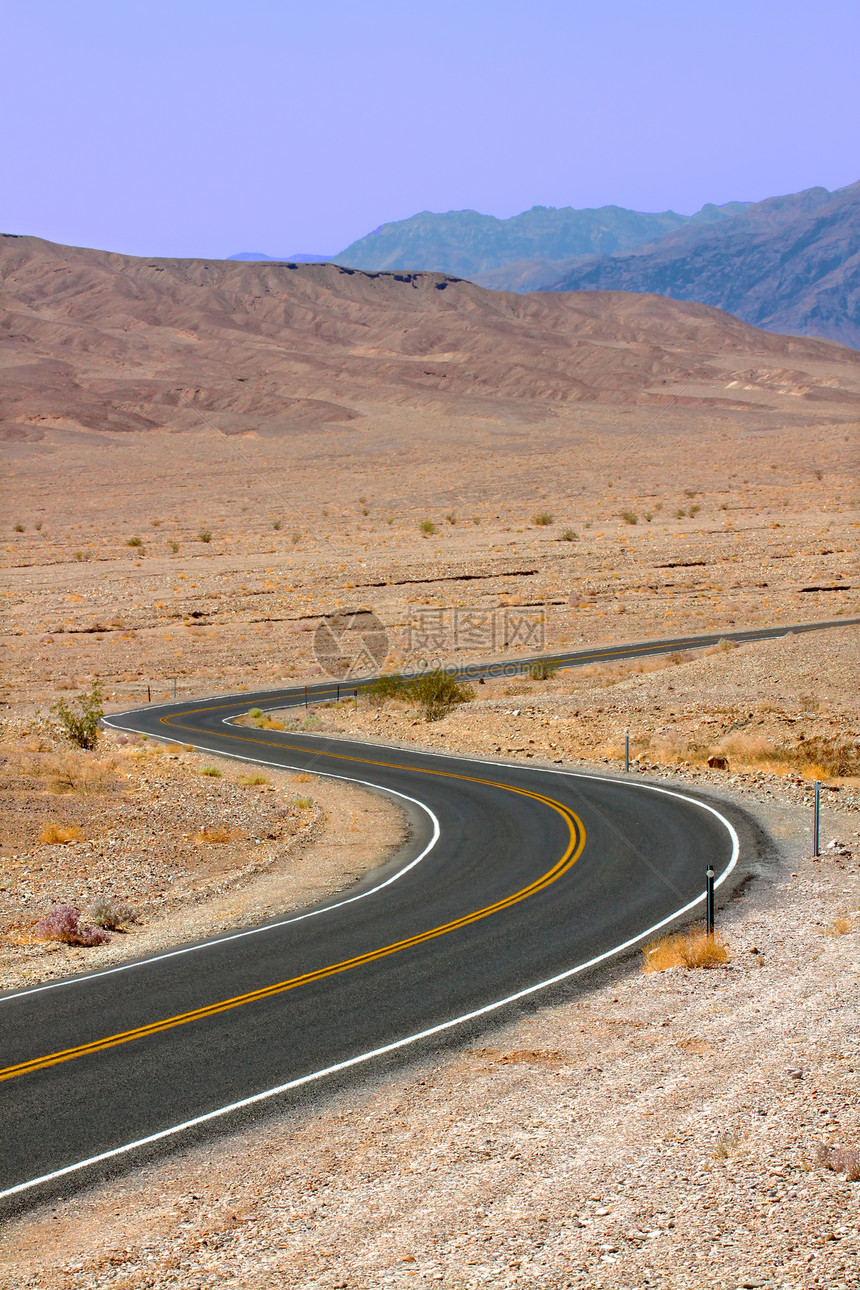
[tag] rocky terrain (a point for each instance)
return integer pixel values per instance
(184, 845)
(492, 476)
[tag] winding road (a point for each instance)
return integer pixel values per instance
(515, 879)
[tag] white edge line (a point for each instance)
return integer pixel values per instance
(267, 1094)
(267, 927)
(222, 1111)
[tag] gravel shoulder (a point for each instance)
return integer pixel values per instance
(656, 1129)
(193, 845)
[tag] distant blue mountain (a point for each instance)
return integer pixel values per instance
(281, 259)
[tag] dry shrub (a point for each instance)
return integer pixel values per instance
(213, 833)
(690, 949)
(302, 778)
(64, 924)
(821, 757)
(113, 914)
(53, 834)
(841, 1160)
(76, 772)
(725, 1146)
(267, 723)
(839, 927)
(251, 781)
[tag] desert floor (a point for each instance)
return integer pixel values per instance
(650, 1129)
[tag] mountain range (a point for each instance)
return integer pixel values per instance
(786, 264)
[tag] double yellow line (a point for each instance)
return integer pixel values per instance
(572, 852)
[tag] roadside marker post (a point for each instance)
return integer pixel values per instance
(355, 696)
(709, 907)
(816, 819)
(306, 698)
(627, 751)
(338, 691)
(149, 694)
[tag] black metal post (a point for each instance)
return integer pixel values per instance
(627, 750)
(149, 694)
(338, 691)
(709, 911)
(816, 820)
(306, 698)
(355, 696)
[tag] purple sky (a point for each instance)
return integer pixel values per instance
(210, 128)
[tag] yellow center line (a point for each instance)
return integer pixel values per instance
(571, 854)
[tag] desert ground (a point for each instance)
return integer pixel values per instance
(604, 470)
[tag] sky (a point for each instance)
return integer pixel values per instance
(206, 129)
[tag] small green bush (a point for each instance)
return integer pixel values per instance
(569, 535)
(543, 670)
(134, 541)
(18, 528)
(427, 526)
(174, 546)
(543, 518)
(212, 771)
(205, 535)
(630, 517)
(384, 688)
(277, 525)
(82, 726)
(255, 712)
(437, 693)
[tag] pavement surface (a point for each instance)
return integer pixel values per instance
(515, 878)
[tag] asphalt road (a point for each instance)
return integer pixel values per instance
(515, 877)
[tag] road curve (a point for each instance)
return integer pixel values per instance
(517, 877)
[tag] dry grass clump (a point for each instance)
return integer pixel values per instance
(72, 771)
(839, 927)
(112, 914)
(214, 833)
(820, 757)
(58, 834)
(261, 722)
(691, 949)
(251, 781)
(841, 1160)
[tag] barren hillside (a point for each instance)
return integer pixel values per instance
(97, 341)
